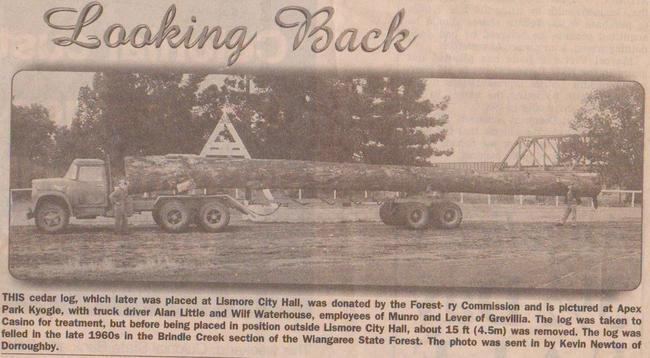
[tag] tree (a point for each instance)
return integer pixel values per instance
(314, 117)
(309, 117)
(32, 143)
(65, 149)
(612, 118)
(124, 114)
(401, 127)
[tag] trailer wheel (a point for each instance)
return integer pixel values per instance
(52, 217)
(213, 216)
(388, 213)
(448, 215)
(174, 216)
(416, 215)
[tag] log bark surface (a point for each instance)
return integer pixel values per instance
(157, 173)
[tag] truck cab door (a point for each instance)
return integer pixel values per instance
(91, 187)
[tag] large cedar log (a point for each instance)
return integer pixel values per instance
(157, 173)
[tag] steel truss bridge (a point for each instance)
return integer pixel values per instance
(545, 152)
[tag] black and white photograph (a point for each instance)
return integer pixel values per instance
(416, 178)
(324, 179)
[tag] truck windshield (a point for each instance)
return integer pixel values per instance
(72, 172)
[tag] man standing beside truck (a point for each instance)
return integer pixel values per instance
(118, 200)
(572, 200)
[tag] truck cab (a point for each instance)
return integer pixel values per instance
(82, 192)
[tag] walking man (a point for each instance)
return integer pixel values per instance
(118, 199)
(572, 200)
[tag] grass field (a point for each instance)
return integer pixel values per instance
(496, 246)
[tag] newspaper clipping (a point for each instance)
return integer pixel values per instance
(323, 178)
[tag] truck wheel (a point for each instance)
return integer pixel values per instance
(174, 216)
(388, 213)
(416, 215)
(52, 217)
(448, 215)
(213, 216)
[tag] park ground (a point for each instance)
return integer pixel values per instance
(497, 246)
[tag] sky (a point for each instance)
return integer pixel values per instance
(485, 116)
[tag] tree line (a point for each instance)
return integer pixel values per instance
(378, 120)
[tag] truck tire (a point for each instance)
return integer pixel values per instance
(448, 215)
(174, 216)
(213, 216)
(52, 217)
(388, 213)
(416, 215)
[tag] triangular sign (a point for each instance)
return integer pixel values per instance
(224, 142)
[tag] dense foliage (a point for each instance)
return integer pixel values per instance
(310, 117)
(612, 119)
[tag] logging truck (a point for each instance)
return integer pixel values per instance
(181, 190)
(83, 193)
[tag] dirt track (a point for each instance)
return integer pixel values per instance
(594, 255)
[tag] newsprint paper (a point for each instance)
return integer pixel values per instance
(323, 178)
